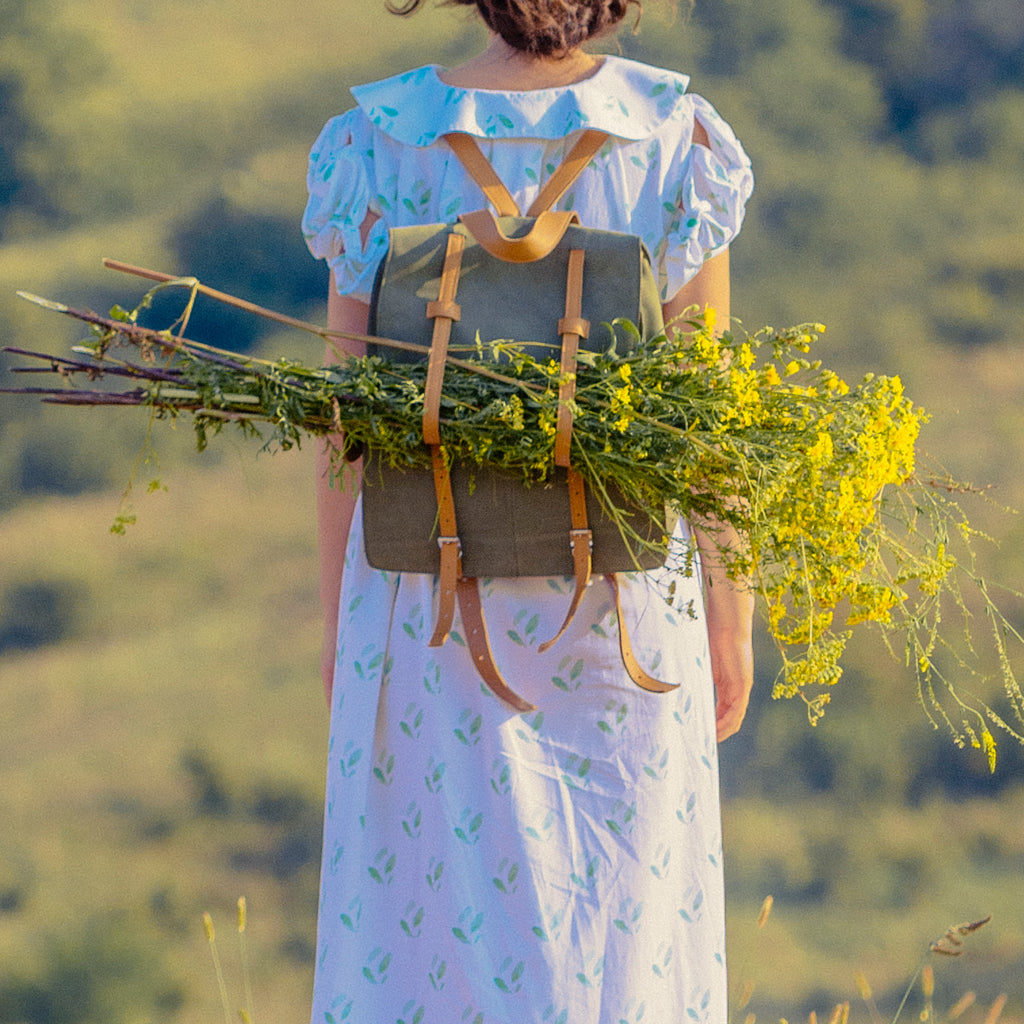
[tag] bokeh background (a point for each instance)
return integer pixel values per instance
(162, 733)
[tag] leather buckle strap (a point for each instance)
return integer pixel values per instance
(473, 623)
(570, 347)
(581, 540)
(443, 311)
(633, 668)
(451, 548)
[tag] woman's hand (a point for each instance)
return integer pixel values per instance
(729, 608)
(732, 668)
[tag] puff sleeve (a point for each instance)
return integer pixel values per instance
(340, 186)
(704, 207)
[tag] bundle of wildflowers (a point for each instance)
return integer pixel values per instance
(818, 476)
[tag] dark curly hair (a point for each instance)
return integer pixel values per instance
(544, 28)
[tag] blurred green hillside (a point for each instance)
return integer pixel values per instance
(164, 737)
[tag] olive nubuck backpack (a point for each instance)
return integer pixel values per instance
(542, 280)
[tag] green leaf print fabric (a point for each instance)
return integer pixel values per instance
(384, 157)
(482, 866)
(493, 867)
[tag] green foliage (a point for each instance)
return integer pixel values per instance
(36, 613)
(98, 973)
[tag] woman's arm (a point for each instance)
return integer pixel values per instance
(336, 498)
(729, 604)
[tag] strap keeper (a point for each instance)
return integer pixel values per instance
(575, 535)
(442, 541)
(573, 325)
(438, 307)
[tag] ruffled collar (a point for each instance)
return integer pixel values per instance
(623, 97)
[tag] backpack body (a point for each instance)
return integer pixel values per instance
(506, 528)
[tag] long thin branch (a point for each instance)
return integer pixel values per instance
(303, 325)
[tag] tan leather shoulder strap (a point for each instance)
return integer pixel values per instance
(466, 148)
(546, 233)
(568, 171)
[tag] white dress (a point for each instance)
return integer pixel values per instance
(561, 866)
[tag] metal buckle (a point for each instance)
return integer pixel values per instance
(575, 535)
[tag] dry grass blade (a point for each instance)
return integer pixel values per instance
(952, 942)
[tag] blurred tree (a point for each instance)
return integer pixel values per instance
(41, 65)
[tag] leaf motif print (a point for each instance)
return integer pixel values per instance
(432, 679)
(412, 721)
(468, 731)
(571, 682)
(662, 965)
(686, 813)
(657, 767)
(529, 630)
(628, 920)
(383, 771)
(412, 921)
(661, 859)
(549, 1015)
(505, 880)
(614, 718)
(350, 757)
(506, 121)
(350, 919)
(410, 1008)
(622, 822)
(510, 983)
(694, 898)
(343, 1011)
(412, 823)
(438, 969)
(633, 1013)
(543, 831)
(535, 724)
(468, 829)
(553, 926)
(659, 88)
(468, 1012)
(369, 659)
(589, 878)
(588, 977)
(576, 771)
(377, 964)
(382, 870)
(435, 872)
(434, 778)
(501, 775)
(468, 928)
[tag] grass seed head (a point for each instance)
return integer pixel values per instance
(766, 909)
(964, 1003)
(997, 1009)
(928, 982)
(863, 987)
(208, 925)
